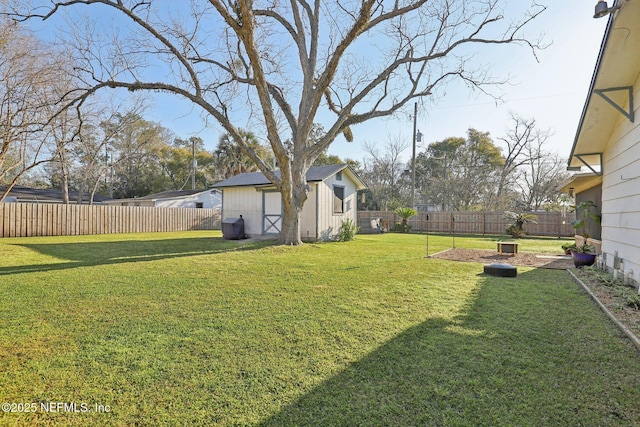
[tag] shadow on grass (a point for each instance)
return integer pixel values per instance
(526, 352)
(81, 254)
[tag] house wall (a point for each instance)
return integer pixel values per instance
(621, 194)
(593, 194)
(245, 201)
(329, 222)
(208, 199)
(133, 202)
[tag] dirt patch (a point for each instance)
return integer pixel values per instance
(525, 259)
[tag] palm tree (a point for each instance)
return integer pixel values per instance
(405, 213)
(519, 219)
(230, 160)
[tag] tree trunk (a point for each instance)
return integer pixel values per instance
(64, 171)
(290, 233)
(294, 193)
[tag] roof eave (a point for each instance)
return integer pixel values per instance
(573, 162)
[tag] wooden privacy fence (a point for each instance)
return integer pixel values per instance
(42, 219)
(555, 224)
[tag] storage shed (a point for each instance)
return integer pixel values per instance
(333, 192)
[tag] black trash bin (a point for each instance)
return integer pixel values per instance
(233, 228)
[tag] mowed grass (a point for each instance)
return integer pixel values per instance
(190, 329)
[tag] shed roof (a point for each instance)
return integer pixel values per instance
(314, 174)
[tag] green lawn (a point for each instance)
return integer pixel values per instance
(190, 329)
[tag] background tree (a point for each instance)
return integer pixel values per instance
(433, 168)
(288, 63)
(519, 141)
(29, 83)
(136, 145)
(384, 172)
(457, 173)
(474, 171)
(541, 179)
(177, 162)
(231, 159)
(535, 172)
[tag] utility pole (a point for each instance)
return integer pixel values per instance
(413, 157)
(193, 163)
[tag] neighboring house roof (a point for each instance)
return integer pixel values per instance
(610, 95)
(48, 195)
(172, 194)
(314, 174)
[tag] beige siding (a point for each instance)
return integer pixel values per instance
(308, 226)
(621, 194)
(317, 222)
(328, 221)
(245, 201)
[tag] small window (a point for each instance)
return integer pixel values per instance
(338, 199)
(339, 176)
(199, 205)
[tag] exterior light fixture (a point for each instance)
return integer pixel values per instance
(602, 9)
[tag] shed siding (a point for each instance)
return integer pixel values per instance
(621, 194)
(245, 201)
(317, 222)
(308, 228)
(329, 222)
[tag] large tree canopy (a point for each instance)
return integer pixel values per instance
(276, 67)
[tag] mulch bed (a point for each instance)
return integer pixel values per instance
(611, 299)
(491, 256)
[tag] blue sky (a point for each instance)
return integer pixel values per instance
(552, 91)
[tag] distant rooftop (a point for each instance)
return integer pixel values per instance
(49, 195)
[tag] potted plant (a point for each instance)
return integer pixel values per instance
(584, 253)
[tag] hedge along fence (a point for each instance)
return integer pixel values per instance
(44, 219)
(556, 224)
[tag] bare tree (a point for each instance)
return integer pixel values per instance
(283, 64)
(528, 166)
(520, 140)
(28, 80)
(541, 178)
(383, 170)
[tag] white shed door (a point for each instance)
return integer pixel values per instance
(272, 212)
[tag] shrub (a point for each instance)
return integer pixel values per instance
(348, 230)
(515, 231)
(630, 297)
(400, 227)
